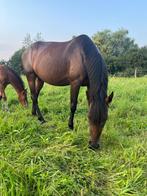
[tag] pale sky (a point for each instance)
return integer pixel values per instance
(59, 20)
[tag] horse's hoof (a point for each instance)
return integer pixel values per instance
(41, 120)
(71, 126)
(94, 146)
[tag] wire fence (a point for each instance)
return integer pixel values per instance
(130, 73)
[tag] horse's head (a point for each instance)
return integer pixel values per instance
(23, 98)
(98, 116)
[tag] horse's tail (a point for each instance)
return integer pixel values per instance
(95, 66)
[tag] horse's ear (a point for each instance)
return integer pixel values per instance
(109, 98)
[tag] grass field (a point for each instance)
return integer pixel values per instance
(49, 159)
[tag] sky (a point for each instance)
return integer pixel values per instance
(59, 20)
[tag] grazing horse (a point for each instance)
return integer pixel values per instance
(77, 62)
(9, 76)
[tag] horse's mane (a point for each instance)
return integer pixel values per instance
(17, 76)
(98, 77)
(95, 65)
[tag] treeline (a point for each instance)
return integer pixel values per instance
(122, 55)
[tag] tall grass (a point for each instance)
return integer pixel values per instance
(49, 159)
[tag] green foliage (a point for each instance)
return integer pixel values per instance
(120, 52)
(15, 61)
(3, 62)
(28, 39)
(49, 159)
(114, 43)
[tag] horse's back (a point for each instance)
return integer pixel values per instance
(57, 63)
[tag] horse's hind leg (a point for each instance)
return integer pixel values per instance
(31, 81)
(88, 96)
(31, 77)
(38, 86)
(74, 91)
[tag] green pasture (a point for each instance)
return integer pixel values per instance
(49, 159)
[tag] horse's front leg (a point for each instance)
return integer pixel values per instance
(4, 103)
(3, 98)
(74, 91)
(2, 94)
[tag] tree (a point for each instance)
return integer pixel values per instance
(113, 43)
(28, 40)
(143, 51)
(38, 37)
(15, 61)
(114, 47)
(137, 60)
(3, 62)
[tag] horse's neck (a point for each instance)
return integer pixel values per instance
(14, 81)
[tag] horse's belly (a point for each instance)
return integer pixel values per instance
(53, 77)
(56, 81)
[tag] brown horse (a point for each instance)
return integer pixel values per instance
(77, 63)
(9, 76)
